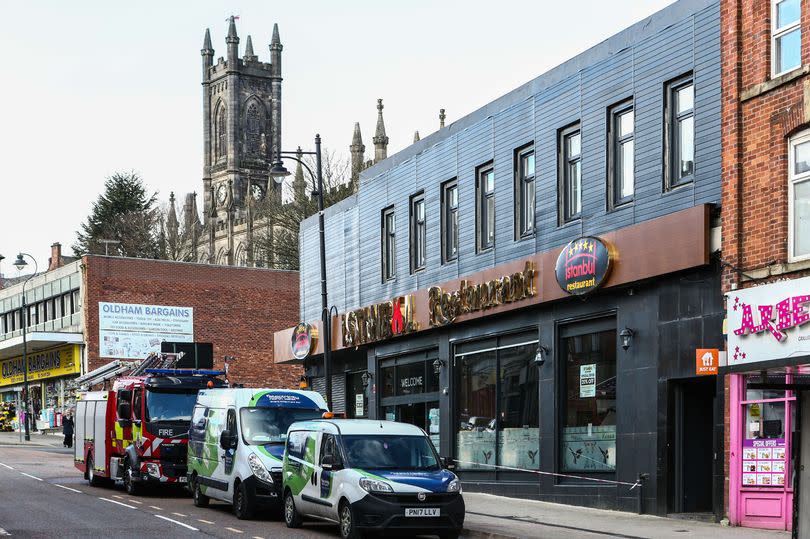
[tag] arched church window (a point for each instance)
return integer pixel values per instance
(253, 128)
(241, 256)
(221, 132)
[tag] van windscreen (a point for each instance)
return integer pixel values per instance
(269, 425)
(375, 452)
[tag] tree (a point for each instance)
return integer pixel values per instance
(124, 212)
(279, 216)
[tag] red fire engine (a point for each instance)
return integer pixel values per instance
(138, 430)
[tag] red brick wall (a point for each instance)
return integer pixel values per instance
(236, 309)
(754, 147)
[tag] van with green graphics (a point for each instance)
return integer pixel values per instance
(236, 444)
(368, 475)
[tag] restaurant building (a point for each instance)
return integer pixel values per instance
(766, 259)
(530, 284)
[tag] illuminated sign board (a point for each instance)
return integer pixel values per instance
(583, 266)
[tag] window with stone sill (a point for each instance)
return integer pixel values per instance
(786, 36)
(799, 197)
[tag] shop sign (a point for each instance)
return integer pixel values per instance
(61, 361)
(583, 265)
(379, 321)
(706, 361)
(587, 380)
(769, 321)
(359, 402)
(446, 306)
(133, 331)
(303, 340)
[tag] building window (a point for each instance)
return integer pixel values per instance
(786, 36)
(621, 153)
(485, 207)
(389, 245)
(570, 173)
(449, 221)
(524, 192)
(498, 404)
(680, 132)
(588, 419)
(220, 143)
(418, 232)
(799, 197)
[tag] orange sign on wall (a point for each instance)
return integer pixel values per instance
(706, 361)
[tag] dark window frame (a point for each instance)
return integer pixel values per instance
(449, 223)
(564, 160)
(671, 140)
(417, 229)
(482, 201)
(615, 142)
(388, 240)
(523, 180)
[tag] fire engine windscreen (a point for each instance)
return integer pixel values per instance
(169, 406)
(269, 425)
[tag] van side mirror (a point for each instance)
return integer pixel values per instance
(124, 414)
(227, 440)
(328, 463)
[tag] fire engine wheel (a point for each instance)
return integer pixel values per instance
(92, 478)
(200, 499)
(130, 485)
(243, 505)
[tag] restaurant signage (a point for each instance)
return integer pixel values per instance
(583, 265)
(303, 340)
(446, 306)
(379, 321)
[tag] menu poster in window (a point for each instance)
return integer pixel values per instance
(764, 462)
(358, 404)
(587, 380)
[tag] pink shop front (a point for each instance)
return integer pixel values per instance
(768, 379)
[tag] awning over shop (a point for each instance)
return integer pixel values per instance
(791, 374)
(37, 340)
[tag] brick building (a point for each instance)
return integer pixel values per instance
(766, 250)
(86, 313)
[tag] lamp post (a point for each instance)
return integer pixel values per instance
(20, 263)
(278, 172)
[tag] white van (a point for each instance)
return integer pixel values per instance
(236, 443)
(369, 475)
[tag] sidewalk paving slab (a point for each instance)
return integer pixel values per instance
(498, 517)
(37, 438)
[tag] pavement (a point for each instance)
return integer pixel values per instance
(37, 439)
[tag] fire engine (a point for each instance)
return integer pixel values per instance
(138, 430)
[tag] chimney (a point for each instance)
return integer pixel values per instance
(56, 257)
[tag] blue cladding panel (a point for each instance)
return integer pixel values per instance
(636, 64)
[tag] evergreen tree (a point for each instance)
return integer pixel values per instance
(124, 212)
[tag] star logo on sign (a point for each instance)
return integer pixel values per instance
(743, 355)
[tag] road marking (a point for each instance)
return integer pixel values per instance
(205, 521)
(4, 532)
(31, 476)
(234, 530)
(117, 503)
(6, 466)
(117, 496)
(178, 523)
(130, 500)
(156, 508)
(257, 537)
(180, 514)
(67, 488)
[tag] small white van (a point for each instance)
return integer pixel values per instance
(236, 444)
(368, 475)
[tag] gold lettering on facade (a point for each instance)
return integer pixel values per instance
(379, 321)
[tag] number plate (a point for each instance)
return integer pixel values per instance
(182, 479)
(422, 512)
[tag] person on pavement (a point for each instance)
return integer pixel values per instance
(67, 430)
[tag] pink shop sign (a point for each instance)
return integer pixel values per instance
(769, 321)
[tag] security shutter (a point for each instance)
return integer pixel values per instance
(338, 391)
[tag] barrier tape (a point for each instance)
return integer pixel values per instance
(538, 472)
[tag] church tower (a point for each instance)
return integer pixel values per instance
(241, 132)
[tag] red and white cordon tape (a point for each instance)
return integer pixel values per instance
(538, 472)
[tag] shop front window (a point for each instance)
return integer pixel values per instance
(498, 405)
(765, 437)
(588, 441)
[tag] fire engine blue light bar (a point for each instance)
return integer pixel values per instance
(184, 371)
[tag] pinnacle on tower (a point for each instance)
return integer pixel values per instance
(275, 40)
(233, 44)
(357, 151)
(380, 139)
(232, 30)
(249, 56)
(442, 116)
(416, 136)
(299, 184)
(207, 42)
(173, 225)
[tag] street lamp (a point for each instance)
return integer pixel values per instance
(20, 264)
(278, 172)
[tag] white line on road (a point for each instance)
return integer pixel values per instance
(179, 523)
(204, 521)
(234, 530)
(4, 532)
(257, 537)
(31, 476)
(6, 466)
(67, 488)
(180, 514)
(130, 500)
(117, 496)
(156, 508)
(117, 503)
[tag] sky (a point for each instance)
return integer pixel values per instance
(93, 87)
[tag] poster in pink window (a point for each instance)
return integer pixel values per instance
(763, 462)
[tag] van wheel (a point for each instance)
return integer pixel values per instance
(291, 517)
(348, 525)
(92, 478)
(200, 499)
(130, 485)
(243, 505)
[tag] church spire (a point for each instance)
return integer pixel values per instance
(357, 151)
(299, 184)
(172, 225)
(416, 136)
(233, 43)
(275, 40)
(442, 116)
(207, 53)
(249, 56)
(380, 139)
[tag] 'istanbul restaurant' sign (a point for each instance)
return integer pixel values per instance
(583, 265)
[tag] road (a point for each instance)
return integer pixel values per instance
(43, 495)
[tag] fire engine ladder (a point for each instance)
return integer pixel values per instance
(102, 374)
(158, 361)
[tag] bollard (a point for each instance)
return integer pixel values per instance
(641, 478)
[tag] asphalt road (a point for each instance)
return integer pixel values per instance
(43, 495)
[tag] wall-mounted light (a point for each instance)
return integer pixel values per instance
(303, 383)
(437, 366)
(541, 356)
(627, 336)
(365, 378)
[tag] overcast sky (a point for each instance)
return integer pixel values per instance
(94, 87)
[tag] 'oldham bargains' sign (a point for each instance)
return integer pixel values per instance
(771, 321)
(583, 265)
(42, 364)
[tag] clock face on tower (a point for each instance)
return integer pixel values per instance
(222, 193)
(257, 192)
